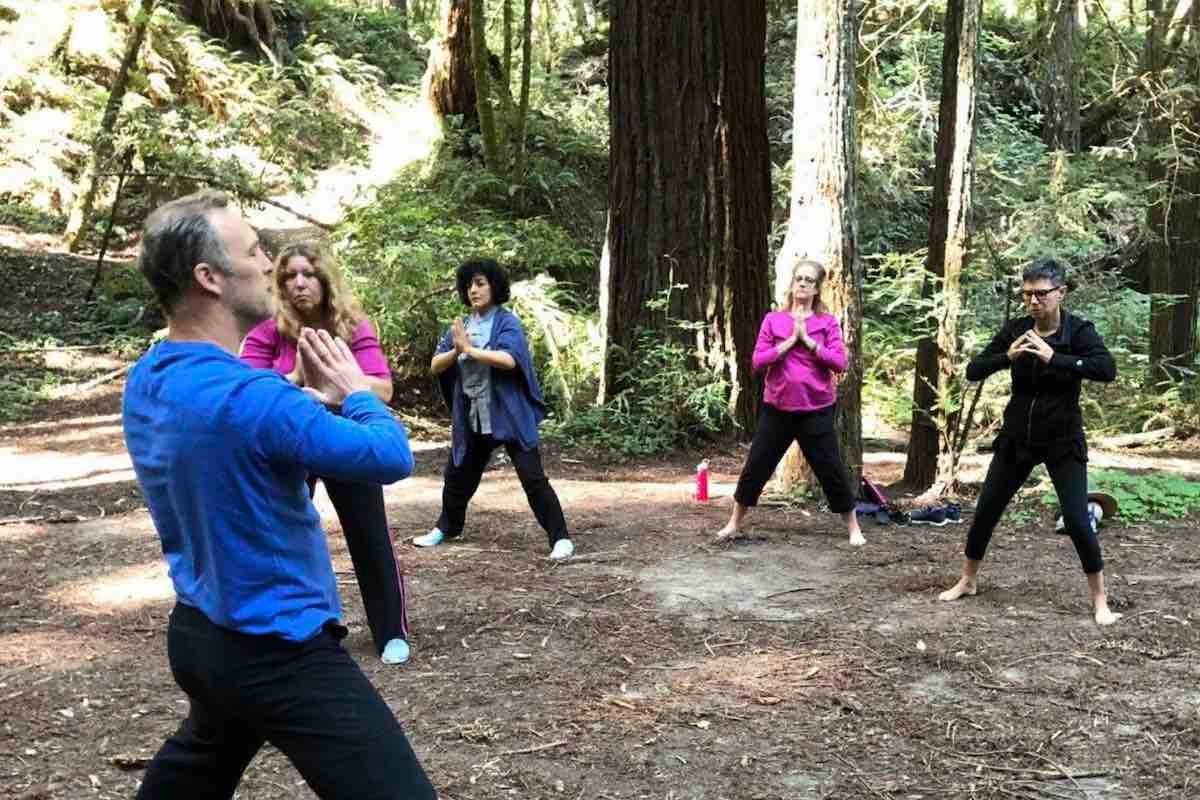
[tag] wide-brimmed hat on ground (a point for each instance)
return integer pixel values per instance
(1107, 503)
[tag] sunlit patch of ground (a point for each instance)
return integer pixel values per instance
(69, 423)
(122, 590)
(47, 472)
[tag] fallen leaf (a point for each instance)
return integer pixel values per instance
(129, 761)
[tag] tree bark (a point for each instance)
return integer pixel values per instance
(1060, 98)
(822, 223)
(1173, 217)
(449, 82)
(526, 74)
(102, 147)
(507, 20)
(248, 25)
(483, 92)
(689, 184)
(932, 458)
(585, 18)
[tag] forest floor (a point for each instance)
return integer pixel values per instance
(653, 665)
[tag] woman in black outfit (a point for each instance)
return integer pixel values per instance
(1049, 353)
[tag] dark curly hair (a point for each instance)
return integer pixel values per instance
(497, 278)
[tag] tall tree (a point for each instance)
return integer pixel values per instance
(1060, 97)
(483, 91)
(449, 82)
(507, 21)
(585, 17)
(932, 456)
(1185, 273)
(103, 145)
(1173, 216)
(822, 225)
(523, 104)
(689, 182)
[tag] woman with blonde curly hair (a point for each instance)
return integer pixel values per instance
(312, 294)
(799, 350)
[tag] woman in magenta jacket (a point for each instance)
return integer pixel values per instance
(312, 294)
(800, 348)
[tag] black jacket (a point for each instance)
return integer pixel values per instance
(1044, 407)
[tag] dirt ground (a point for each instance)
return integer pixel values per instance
(655, 665)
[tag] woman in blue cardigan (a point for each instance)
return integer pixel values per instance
(487, 377)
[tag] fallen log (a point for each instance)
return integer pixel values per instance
(1136, 439)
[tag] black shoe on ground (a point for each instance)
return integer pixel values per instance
(929, 516)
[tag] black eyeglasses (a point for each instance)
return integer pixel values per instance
(806, 279)
(1040, 294)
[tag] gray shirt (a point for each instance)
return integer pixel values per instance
(477, 377)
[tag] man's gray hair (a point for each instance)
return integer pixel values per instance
(1047, 268)
(178, 236)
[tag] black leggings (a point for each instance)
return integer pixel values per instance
(463, 480)
(361, 512)
(1009, 469)
(814, 432)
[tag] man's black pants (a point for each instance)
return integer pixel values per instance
(309, 700)
(814, 432)
(462, 481)
(1010, 468)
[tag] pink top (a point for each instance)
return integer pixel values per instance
(800, 380)
(265, 347)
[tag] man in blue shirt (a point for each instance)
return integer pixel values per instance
(221, 451)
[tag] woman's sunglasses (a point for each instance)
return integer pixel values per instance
(806, 279)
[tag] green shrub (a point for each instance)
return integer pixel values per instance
(376, 36)
(402, 250)
(21, 215)
(19, 393)
(668, 402)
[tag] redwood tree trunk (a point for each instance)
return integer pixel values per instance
(1060, 99)
(1173, 217)
(931, 458)
(449, 82)
(689, 183)
(822, 224)
(245, 24)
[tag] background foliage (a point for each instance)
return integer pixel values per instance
(199, 112)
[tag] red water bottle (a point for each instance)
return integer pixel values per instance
(702, 482)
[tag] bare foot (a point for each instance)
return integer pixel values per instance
(1105, 617)
(857, 539)
(727, 534)
(964, 587)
